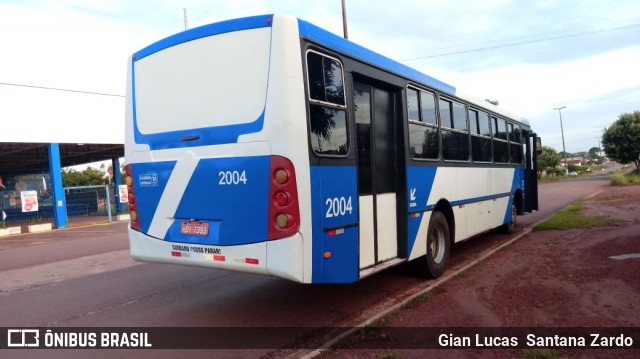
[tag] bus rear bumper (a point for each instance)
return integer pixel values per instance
(281, 258)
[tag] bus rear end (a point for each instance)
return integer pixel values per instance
(206, 186)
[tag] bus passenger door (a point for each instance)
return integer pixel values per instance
(531, 173)
(375, 139)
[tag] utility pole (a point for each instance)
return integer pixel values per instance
(566, 167)
(599, 156)
(344, 20)
(184, 15)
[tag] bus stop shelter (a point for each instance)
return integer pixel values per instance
(45, 129)
(49, 158)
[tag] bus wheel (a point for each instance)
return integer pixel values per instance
(510, 227)
(438, 247)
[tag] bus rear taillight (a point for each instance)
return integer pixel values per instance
(133, 207)
(284, 215)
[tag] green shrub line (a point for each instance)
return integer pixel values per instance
(629, 179)
(571, 218)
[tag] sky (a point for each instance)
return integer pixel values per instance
(531, 56)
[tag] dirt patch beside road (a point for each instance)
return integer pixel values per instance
(572, 278)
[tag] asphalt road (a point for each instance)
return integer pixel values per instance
(85, 278)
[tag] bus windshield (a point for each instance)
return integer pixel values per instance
(207, 82)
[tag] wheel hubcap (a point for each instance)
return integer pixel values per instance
(437, 245)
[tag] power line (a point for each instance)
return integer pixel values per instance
(524, 42)
(61, 89)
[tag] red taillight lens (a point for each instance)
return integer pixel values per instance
(282, 199)
(284, 214)
(133, 208)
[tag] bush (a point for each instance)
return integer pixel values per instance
(557, 171)
(583, 169)
(632, 178)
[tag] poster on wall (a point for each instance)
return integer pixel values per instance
(29, 201)
(124, 193)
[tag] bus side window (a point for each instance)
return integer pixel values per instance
(516, 144)
(423, 130)
(455, 131)
(500, 138)
(480, 136)
(325, 79)
(327, 110)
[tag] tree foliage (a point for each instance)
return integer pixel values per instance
(547, 160)
(621, 141)
(87, 177)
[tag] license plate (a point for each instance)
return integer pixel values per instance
(195, 228)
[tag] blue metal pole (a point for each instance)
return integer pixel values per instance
(117, 181)
(59, 201)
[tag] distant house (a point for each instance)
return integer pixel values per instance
(578, 161)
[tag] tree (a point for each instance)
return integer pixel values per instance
(561, 154)
(87, 177)
(582, 154)
(621, 141)
(547, 160)
(111, 178)
(594, 154)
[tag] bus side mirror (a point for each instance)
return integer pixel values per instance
(538, 145)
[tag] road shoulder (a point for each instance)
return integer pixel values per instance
(573, 278)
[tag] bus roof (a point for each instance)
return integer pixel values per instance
(245, 23)
(330, 40)
(344, 46)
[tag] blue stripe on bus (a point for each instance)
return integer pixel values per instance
(349, 48)
(232, 195)
(464, 201)
(253, 22)
(420, 181)
(518, 182)
(329, 183)
(149, 183)
(479, 199)
(208, 135)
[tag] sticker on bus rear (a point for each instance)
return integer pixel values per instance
(148, 180)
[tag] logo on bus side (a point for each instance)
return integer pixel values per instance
(148, 180)
(412, 197)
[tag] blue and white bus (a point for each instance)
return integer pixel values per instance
(268, 145)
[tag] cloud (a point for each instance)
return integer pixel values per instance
(532, 88)
(532, 56)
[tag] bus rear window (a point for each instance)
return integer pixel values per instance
(212, 81)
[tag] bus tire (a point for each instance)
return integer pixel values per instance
(434, 263)
(510, 227)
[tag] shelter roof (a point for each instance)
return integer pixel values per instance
(34, 156)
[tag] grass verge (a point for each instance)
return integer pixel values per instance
(629, 179)
(571, 218)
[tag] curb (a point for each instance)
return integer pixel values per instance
(327, 345)
(395, 307)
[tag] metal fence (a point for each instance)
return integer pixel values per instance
(85, 204)
(95, 202)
